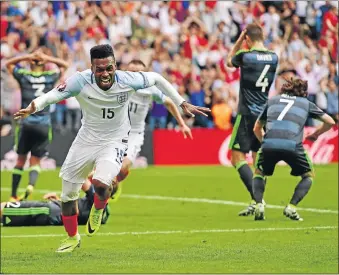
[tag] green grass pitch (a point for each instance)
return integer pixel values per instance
(184, 220)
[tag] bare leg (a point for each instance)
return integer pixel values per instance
(69, 210)
(126, 166)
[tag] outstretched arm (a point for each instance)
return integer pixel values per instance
(163, 85)
(40, 103)
(71, 87)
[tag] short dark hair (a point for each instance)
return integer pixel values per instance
(102, 51)
(137, 62)
(295, 87)
(255, 32)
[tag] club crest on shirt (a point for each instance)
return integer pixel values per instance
(122, 97)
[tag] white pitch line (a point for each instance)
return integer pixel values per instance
(235, 230)
(196, 200)
(202, 200)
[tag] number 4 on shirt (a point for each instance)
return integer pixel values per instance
(262, 80)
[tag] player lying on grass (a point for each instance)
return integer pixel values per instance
(48, 212)
(258, 66)
(138, 108)
(285, 116)
(103, 94)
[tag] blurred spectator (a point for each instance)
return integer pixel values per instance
(38, 13)
(158, 118)
(307, 71)
(321, 99)
(270, 21)
(222, 113)
(197, 97)
(71, 37)
(185, 41)
(333, 73)
(332, 99)
(330, 21)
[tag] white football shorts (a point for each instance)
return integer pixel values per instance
(81, 159)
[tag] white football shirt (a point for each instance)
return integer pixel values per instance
(105, 113)
(139, 105)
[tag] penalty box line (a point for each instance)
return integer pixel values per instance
(235, 230)
(195, 200)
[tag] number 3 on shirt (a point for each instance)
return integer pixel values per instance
(107, 113)
(262, 80)
(39, 89)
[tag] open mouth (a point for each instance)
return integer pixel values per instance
(105, 80)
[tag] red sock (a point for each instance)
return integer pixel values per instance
(98, 204)
(70, 224)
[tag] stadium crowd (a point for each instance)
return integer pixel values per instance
(187, 42)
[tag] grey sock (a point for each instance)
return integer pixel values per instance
(301, 190)
(33, 176)
(258, 188)
(246, 176)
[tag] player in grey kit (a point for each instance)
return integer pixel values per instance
(258, 66)
(48, 212)
(285, 116)
(33, 134)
